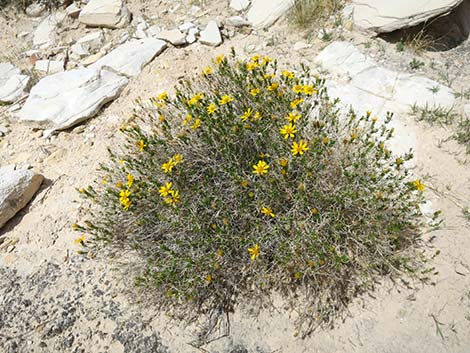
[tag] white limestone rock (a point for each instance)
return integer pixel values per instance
(49, 66)
(73, 10)
(239, 5)
(105, 13)
(92, 41)
(65, 99)
(174, 36)
(17, 188)
(45, 34)
(35, 9)
(192, 33)
(12, 83)
(263, 13)
(384, 16)
(211, 35)
(130, 58)
(237, 21)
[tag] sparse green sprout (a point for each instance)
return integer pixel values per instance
(416, 64)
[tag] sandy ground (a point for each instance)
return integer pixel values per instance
(54, 300)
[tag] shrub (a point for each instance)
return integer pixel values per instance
(462, 134)
(250, 182)
(311, 13)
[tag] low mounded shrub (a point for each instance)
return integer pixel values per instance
(249, 182)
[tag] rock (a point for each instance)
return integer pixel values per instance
(140, 30)
(105, 13)
(77, 51)
(17, 187)
(65, 99)
(301, 45)
(211, 35)
(23, 34)
(175, 37)
(153, 31)
(73, 10)
(49, 66)
(263, 13)
(92, 42)
(130, 58)
(92, 59)
(239, 5)
(387, 16)
(237, 21)
(185, 27)
(12, 83)
(365, 86)
(36, 9)
(191, 37)
(45, 34)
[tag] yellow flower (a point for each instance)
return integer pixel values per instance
(257, 116)
(298, 89)
(196, 124)
(252, 66)
(268, 76)
(255, 58)
(261, 168)
(74, 226)
(255, 91)
(141, 145)
(288, 130)
(163, 96)
(374, 119)
(399, 161)
(130, 180)
(81, 190)
(80, 240)
(207, 70)
(325, 140)
(283, 162)
(165, 189)
(123, 128)
(211, 108)
(273, 87)
(225, 99)
(419, 185)
(314, 211)
(174, 197)
(309, 90)
(268, 211)
(178, 158)
(121, 161)
(208, 278)
(218, 60)
(187, 119)
(196, 99)
(288, 74)
(267, 60)
(124, 199)
(245, 183)
(119, 185)
(295, 103)
(254, 252)
(293, 117)
(246, 115)
(219, 253)
(124, 194)
(299, 148)
(168, 166)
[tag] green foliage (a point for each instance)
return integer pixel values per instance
(415, 64)
(311, 13)
(462, 134)
(273, 190)
(435, 115)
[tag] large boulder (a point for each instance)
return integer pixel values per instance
(12, 83)
(263, 13)
(105, 13)
(130, 58)
(17, 187)
(65, 99)
(384, 16)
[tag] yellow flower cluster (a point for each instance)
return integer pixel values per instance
(167, 167)
(196, 99)
(170, 196)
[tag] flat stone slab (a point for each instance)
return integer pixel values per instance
(17, 187)
(384, 16)
(263, 13)
(65, 99)
(105, 13)
(345, 60)
(12, 83)
(211, 35)
(130, 58)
